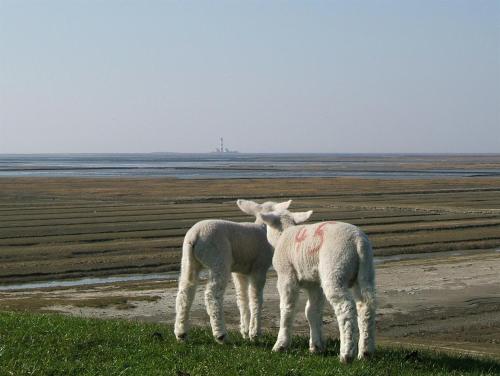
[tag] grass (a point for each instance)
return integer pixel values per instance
(50, 344)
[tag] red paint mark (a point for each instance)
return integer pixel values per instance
(301, 235)
(320, 232)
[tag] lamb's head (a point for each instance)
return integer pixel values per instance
(254, 208)
(277, 222)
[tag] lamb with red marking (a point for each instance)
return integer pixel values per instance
(328, 259)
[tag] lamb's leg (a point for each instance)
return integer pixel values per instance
(188, 282)
(288, 289)
(256, 289)
(241, 286)
(214, 300)
(314, 315)
(365, 305)
(344, 306)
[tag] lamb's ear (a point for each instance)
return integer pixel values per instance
(271, 219)
(301, 217)
(282, 206)
(248, 206)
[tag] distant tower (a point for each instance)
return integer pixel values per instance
(226, 150)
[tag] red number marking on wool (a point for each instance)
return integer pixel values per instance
(320, 232)
(301, 235)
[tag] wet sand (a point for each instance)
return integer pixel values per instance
(450, 303)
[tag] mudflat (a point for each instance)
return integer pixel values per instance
(52, 228)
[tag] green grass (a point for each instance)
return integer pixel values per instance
(49, 344)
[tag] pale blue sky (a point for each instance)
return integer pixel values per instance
(269, 76)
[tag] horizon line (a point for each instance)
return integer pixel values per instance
(255, 153)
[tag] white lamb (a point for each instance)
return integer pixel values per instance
(225, 247)
(332, 259)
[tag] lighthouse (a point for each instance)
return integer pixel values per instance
(222, 150)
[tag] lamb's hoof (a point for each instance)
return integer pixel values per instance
(365, 355)
(346, 359)
(222, 339)
(254, 337)
(182, 337)
(244, 335)
(279, 348)
(315, 349)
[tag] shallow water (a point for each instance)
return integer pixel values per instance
(220, 166)
(170, 276)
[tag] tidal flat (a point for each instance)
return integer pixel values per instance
(449, 297)
(53, 228)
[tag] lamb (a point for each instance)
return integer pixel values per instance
(332, 259)
(225, 247)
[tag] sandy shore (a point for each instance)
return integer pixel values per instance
(449, 303)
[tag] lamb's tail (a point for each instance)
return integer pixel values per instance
(187, 286)
(366, 272)
(189, 264)
(366, 302)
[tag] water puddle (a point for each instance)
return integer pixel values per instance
(170, 276)
(174, 275)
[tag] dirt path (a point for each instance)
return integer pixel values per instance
(451, 303)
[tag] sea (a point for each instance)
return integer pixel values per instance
(248, 166)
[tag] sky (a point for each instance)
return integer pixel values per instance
(370, 76)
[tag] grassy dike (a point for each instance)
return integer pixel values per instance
(50, 344)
